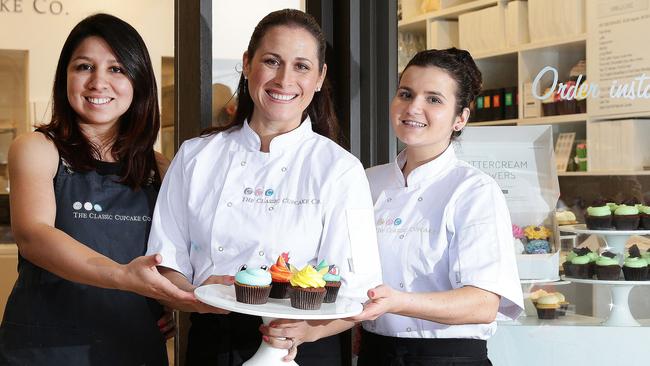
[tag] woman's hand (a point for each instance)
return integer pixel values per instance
(382, 299)
(141, 276)
(203, 308)
(166, 323)
(289, 334)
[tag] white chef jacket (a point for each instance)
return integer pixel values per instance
(224, 203)
(448, 229)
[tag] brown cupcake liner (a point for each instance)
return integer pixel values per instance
(547, 313)
(307, 298)
(635, 274)
(332, 291)
(582, 271)
(608, 273)
(626, 222)
(644, 222)
(599, 222)
(569, 269)
(255, 295)
(279, 290)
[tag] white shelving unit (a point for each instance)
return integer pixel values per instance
(516, 65)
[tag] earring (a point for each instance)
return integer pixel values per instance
(317, 89)
(245, 84)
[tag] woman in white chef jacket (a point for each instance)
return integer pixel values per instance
(443, 229)
(273, 181)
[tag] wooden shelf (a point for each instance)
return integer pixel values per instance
(553, 120)
(448, 13)
(603, 173)
(579, 38)
(504, 122)
(417, 24)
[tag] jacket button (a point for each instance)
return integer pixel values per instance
(388, 199)
(401, 236)
(261, 253)
(229, 204)
(401, 285)
(221, 249)
(271, 208)
(243, 163)
(420, 199)
(284, 168)
(408, 329)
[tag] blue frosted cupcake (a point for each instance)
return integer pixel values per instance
(252, 286)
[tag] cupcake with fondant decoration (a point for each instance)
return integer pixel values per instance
(599, 216)
(252, 285)
(332, 280)
(307, 288)
(547, 307)
(635, 267)
(280, 276)
(626, 218)
(537, 240)
(518, 239)
(607, 267)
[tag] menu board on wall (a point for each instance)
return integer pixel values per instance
(618, 57)
(522, 162)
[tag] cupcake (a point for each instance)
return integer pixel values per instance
(581, 264)
(517, 239)
(607, 268)
(547, 307)
(564, 305)
(252, 285)
(626, 217)
(567, 266)
(644, 217)
(535, 295)
(599, 217)
(307, 288)
(635, 267)
(646, 256)
(565, 218)
(332, 280)
(537, 240)
(280, 275)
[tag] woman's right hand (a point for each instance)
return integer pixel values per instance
(220, 280)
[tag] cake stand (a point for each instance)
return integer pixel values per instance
(223, 297)
(620, 314)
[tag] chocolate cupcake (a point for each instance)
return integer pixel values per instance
(644, 214)
(607, 268)
(280, 276)
(567, 266)
(635, 267)
(580, 266)
(626, 218)
(252, 285)
(599, 217)
(547, 307)
(307, 288)
(332, 281)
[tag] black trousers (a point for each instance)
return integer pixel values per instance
(230, 340)
(378, 350)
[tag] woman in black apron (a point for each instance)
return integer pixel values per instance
(83, 191)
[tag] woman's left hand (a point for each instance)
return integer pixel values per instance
(289, 334)
(166, 323)
(382, 299)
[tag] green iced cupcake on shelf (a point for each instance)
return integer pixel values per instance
(612, 206)
(644, 213)
(599, 217)
(635, 267)
(626, 218)
(607, 267)
(581, 264)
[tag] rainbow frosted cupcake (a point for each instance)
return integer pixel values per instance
(280, 276)
(307, 288)
(252, 285)
(332, 280)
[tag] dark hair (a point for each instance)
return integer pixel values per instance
(460, 65)
(138, 126)
(320, 110)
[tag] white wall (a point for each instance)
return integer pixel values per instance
(43, 34)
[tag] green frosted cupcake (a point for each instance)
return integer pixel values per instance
(607, 268)
(635, 267)
(644, 213)
(599, 217)
(626, 218)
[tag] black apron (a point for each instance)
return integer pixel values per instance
(378, 350)
(230, 340)
(52, 321)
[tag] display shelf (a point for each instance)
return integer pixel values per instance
(569, 40)
(604, 173)
(615, 239)
(552, 120)
(553, 281)
(504, 122)
(416, 24)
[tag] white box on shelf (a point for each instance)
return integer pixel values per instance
(618, 145)
(538, 266)
(443, 34)
(548, 19)
(532, 105)
(517, 23)
(483, 30)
